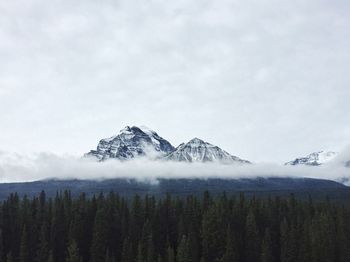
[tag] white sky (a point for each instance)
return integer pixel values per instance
(266, 80)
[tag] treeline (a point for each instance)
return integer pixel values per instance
(228, 229)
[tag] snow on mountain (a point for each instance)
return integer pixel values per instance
(141, 141)
(314, 159)
(132, 142)
(196, 150)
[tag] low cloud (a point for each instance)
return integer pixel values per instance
(18, 168)
(343, 157)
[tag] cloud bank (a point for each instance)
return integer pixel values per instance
(18, 168)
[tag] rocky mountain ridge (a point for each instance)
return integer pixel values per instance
(314, 159)
(133, 142)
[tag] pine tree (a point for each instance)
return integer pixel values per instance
(73, 252)
(58, 233)
(170, 255)
(100, 237)
(127, 253)
(9, 258)
(288, 240)
(323, 239)
(137, 221)
(266, 247)
(159, 259)
(194, 243)
(183, 251)
(231, 252)
(150, 249)
(213, 244)
(343, 240)
(51, 257)
(109, 257)
(24, 252)
(1, 246)
(140, 253)
(43, 247)
(252, 250)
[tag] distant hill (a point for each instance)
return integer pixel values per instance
(319, 188)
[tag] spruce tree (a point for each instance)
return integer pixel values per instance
(73, 252)
(231, 251)
(170, 255)
(127, 253)
(100, 237)
(266, 247)
(24, 252)
(109, 257)
(183, 251)
(288, 241)
(140, 253)
(150, 249)
(194, 243)
(51, 257)
(252, 245)
(43, 247)
(213, 244)
(58, 233)
(1, 246)
(343, 240)
(9, 257)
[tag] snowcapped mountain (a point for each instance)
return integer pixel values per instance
(196, 150)
(314, 159)
(135, 141)
(132, 142)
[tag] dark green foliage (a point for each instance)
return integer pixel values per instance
(184, 251)
(213, 233)
(24, 252)
(1, 247)
(252, 241)
(73, 252)
(127, 254)
(50, 259)
(43, 246)
(231, 250)
(266, 247)
(208, 229)
(170, 255)
(100, 237)
(9, 258)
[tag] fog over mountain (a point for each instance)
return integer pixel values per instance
(142, 154)
(314, 159)
(16, 168)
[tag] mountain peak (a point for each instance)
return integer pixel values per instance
(147, 129)
(196, 141)
(132, 142)
(197, 150)
(314, 159)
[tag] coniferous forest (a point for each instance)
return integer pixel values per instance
(187, 229)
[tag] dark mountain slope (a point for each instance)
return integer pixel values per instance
(128, 187)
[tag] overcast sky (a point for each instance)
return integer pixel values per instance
(267, 80)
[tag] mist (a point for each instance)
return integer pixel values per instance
(24, 168)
